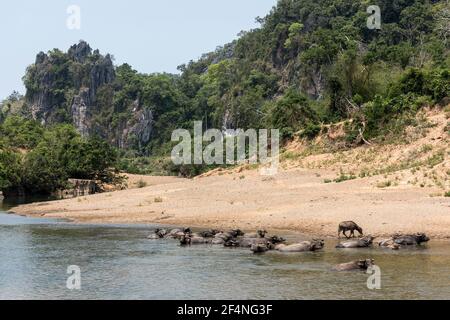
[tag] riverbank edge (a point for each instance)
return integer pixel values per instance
(300, 234)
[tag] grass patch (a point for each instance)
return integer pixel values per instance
(436, 159)
(384, 184)
(343, 178)
(158, 200)
(141, 184)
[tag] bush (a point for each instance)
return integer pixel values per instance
(292, 113)
(438, 84)
(141, 184)
(434, 83)
(311, 131)
(343, 178)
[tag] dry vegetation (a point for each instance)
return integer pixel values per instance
(420, 157)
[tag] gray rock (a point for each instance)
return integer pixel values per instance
(79, 110)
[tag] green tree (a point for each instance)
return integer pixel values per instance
(10, 169)
(292, 113)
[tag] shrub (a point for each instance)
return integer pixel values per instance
(292, 113)
(311, 131)
(344, 177)
(141, 184)
(384, 184)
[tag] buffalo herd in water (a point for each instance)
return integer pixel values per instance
(260, 241)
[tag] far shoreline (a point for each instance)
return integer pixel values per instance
(295, 234)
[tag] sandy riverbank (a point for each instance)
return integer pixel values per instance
(295, 199)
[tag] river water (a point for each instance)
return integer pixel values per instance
(118, 262)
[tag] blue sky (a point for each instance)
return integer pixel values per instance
(151, 35)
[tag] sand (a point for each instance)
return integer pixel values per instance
(403, 190)
(295, 200)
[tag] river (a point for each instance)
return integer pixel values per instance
(118, 262)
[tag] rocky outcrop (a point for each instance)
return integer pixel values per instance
(136, 132)
(39, 92)
(78, 188)
(79, 111)
(80, 52)
(101, 73)
(63, 87)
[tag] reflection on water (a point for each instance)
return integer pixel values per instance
(8, 203)
(119, 263)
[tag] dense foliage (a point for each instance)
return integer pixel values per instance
(309, 63)
(34, 159)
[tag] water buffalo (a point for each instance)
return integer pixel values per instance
(199, 240)
(178, 233)
(260, 248)
(185, 240)
(218, 241)
(223, 235)
(236, 233)
(355, 265)
(359, 243)
(257, 234)
(248, 242)
(349, 226)
(409, 240)
(232, 243)
(208, 233)
(153, 236)
(389, 243)
(158, 234)
(275, 239)
(192, 240)
(172, 233)
(301, 247)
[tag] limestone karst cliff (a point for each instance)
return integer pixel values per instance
(73, 87)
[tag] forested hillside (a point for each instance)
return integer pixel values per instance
(309, 63)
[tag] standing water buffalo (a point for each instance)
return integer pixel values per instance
(355, 265)
(349, 226)
(359, 243)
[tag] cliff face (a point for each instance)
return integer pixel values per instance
(79, 111)
(72, 88)
(135, 132)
